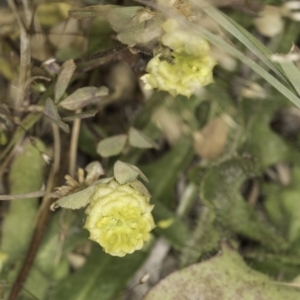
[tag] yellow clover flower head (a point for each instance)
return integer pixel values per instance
(119, 218)
(189, 66)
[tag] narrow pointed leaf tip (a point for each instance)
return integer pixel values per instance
(50, 110)
(139, 140)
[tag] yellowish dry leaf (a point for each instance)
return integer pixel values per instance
(210, 141)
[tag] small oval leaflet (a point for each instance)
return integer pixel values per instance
(112, 146)
(83, 97)
(64, 77)
(139, 140)
(125, 173)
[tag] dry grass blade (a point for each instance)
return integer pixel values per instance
(25, 50)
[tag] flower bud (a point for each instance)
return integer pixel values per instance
(119, 218)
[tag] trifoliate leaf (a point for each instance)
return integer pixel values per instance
(124, 172)
(112, 145)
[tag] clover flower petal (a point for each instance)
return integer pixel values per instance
(119, 218)
(189, 67)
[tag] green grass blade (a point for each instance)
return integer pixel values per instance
(293, 74)
(262, 52)
(219, 42)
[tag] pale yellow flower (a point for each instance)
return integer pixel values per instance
(187, 69)
(183, 75)
(119, 218)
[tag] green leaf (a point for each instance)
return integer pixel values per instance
(220, 190)
(83, 97)
(293, 74)
(140, 140)
(124, 172)
(102, 277)
(75, 200)
(162, 176)
(50, 110)
(46, 264)
(204, 238)
(283, 207)
(112, 146)
(266, 146)
(235, 281)
(26, 175)
(177, 233)
(164, 172)
(64, 77)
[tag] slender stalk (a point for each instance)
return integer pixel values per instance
(74, 144)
